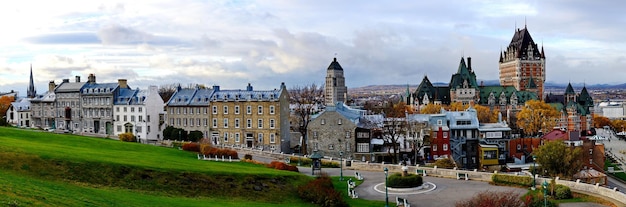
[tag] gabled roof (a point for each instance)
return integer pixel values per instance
(334, 65)
(569, 90)
(584, 98)
(467, 115)
(91, 88)
(124, 96)
(463, 74)
(521, 41)
(49, 96)
(191, 97)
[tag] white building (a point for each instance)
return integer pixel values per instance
(138, 112)
(19, 113)
(612, 109)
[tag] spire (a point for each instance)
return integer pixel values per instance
(543, 54)
(334, 65)
(31, 93)
(502, 59)
(569, 90)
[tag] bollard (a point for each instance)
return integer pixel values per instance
(495, 172)
(230, 158)
(215, 157)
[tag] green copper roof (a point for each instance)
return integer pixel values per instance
(569, 89)
(462, 75)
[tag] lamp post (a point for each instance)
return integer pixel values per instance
(534, 171)
(545, 193)
(340, 166)
(386, 193)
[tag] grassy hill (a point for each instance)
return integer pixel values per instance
(46, 169)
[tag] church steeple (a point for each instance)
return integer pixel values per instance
(31, 93)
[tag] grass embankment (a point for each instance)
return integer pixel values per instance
(342, 187)
(40, 168)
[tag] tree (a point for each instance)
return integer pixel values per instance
(619, 125)
(166, 91)
(395, 127)
(306, 101)
(537, 116)
(431, 109)
(485, 114)
(5, 102)
(194, 136)
(557, 159)
(420, 132)
(167, 132)
(457, 106)
(601, 121)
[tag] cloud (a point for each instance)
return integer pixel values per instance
(116, 34)
(64, 38)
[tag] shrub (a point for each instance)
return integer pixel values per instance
(127, 137)
(331, 164)
(512, 180)
(445, 163)
(209, 151)
(282, 166)
(562, 192)
(302, 161)
(247, 157)
(321, 192)
(492, 199)
(193, 147)
(537, 200)
(176, 144)
(409, 181)
(194, 136)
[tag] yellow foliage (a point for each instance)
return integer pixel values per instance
(127, 137)
(457, 106)
(431, 109)
(537, 116)
(485, 114)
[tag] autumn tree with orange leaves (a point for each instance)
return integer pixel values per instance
(431, 109)
(537, 116)
(485, 114)
(601, 121)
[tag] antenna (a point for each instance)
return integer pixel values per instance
(524, 22)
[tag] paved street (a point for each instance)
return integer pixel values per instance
(614, 146)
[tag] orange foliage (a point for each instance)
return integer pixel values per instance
(5, 102)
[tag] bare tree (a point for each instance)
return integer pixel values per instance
(166, 91)
(419, 136)
(306, 101)
(395, 129)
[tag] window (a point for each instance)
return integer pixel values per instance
(272, 123)
(140, 118)
(260, 123)
(445, 147)
(339, 122)
(205, 121)
(439, 122)
(214, 109)
(214, 123)
(185, 110)
(348, 134)
(249, 123)
(236, 109)
(315, 134)
(225, 109)
(190, 121)
(236, 123)
(132, 109)
(148, 118)
(139, 129)
(125, 118)
(225, 122)
(178, 122)
(272, 109)
(248, 109)
(125, 109)
(140, 109)
(445, 134)
(434, 148)
(272, 138)
(184, 122)
(362, 147)
(260, 138)
(191, 111)
(331, 147)
(119, 128)
(117, 117)
(225, 136)
(171, 121)
(260, 110)
(177, 110)
(117, 109)
(323, 121)
(198, 122)
(205, 110)
(236, 137)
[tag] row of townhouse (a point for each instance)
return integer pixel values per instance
(353, 134)
(101, 109)
(241, 118)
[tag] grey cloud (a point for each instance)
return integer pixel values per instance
(65, 38)
(115, 34)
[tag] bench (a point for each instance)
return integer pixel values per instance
(353, 194)
(402, 202)
(420, 171)
(351, 184)
(459, 175)
(358, 176)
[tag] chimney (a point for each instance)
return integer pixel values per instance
(67, 80)
(469, 64)
(249, 87)
(91, 78)
(216, 88)
(51, 86)
(78, 79)
(122, 83)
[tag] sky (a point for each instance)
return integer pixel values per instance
(233, 43)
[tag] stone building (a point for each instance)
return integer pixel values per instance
(19, 113)
(576, 109)
(68, 108)
(523, 62)
(97, 105)
(250, 118)
(43, 113)
(335, 89)
(188, 109)
(333, 131)
(137, 112)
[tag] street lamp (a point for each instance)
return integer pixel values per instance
(534, 171)
(386, 193)
(545, 193)
(340, 166)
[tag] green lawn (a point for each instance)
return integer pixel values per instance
(45, 169)
(342, 186)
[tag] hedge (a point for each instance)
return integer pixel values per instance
(396, 180)
(512, 180)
